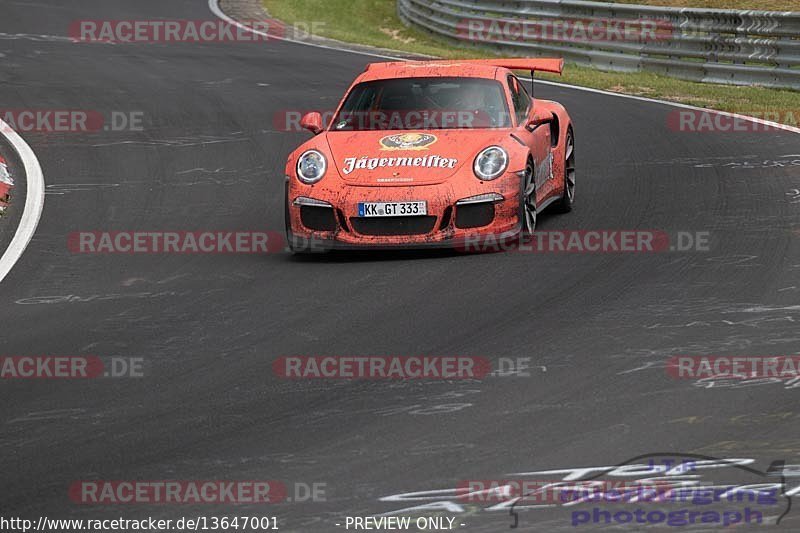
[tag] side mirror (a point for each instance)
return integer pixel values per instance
(312, 122)
(540, 117)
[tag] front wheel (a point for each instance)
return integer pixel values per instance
(294, 244)
(528, 207)
(564, 205)
(288, 225)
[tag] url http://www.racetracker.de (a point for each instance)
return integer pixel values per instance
(197, 523)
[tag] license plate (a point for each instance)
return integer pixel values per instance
(392, 209)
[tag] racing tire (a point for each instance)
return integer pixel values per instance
(291, 242)
(564, 205)
(528, 208)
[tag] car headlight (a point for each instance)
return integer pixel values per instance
(311, 167)
(491, 163)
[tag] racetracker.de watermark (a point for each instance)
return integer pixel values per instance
(596, 30)
(189, 31)
(70, 121)
(741, 121)
(538, 491)
(733, 367)
(289, 120)
(260, 242)
(177, 492)
(69, 367)
(591, 241)
(176, 242)
(382, 367)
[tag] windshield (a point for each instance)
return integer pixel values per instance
(424, 103)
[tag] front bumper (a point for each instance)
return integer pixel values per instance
(327, 217)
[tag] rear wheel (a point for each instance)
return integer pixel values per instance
(564, 205)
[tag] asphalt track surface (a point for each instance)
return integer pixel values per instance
(597, 327)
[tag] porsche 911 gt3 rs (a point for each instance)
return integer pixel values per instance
(431, 153)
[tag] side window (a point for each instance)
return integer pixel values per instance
(526, 100)
(520, 99)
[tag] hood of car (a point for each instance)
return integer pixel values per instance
(374, 158)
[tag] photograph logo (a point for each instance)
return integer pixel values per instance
(690, 490)
(408, 141)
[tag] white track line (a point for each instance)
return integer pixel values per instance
(34, 200)
(214, 6)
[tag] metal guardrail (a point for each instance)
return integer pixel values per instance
(708, 45)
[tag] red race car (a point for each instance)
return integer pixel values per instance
(428, 153)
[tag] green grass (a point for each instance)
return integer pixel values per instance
(375, 23)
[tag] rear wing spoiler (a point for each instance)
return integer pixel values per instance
(556, 66)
